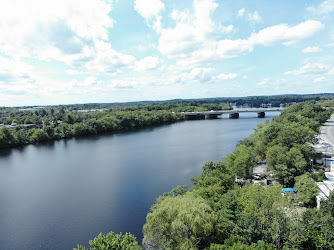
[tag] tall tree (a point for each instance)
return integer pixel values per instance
(182, 222)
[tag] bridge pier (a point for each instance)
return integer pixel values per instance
(194, 117)
(211, 116)
(261, 114)
(234, 116)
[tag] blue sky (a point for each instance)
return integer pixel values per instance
(74, 51)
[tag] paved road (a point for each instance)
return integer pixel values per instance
(327, 131)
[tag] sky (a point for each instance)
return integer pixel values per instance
(103, 51)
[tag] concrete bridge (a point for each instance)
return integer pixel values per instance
(233, 114)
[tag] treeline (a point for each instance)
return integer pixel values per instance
(65, 121)
(178, 105)
(25, 116)
(218, 213)
(276, 100)
(182, 106)
(77, 124)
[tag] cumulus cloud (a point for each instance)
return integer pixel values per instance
(199, 74)
(147, 63)
(232, 48)
(263, 83)
(313, 49)
(150, 11)
(71, 31)
(14, 71)
(310, 68)
(254, 17)
(108, 60)
(229, 76)
(74, 72)
(65, 24)
(319, 79)
(250, 16)
(241, 12)
(324, 8)
(149, 8)
(190, 31)
(281, 33)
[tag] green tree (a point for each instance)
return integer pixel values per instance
(307, 189)
(112, 241)
(241, 162)
(39, 135)
(182, 222)
(285, 163)
(6, 137)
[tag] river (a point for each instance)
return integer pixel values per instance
(63, 193)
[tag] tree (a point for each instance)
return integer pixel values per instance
(307, 189)
(39, 135)
(182, 222)
(285, 163)
(241, 162)
(113, 241)
(6, 137)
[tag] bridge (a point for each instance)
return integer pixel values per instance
(233, 114)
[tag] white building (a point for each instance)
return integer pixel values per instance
(325, 188)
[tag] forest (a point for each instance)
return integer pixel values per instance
(66, 121)
(52, 123)
(218, 213)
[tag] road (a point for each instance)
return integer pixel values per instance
(327, 131)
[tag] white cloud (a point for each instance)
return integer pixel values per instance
(229, 76)
(200, 74)
(233, 48)
(149, 8)
(190, 31)
(71, 31)
(68, 25)
(254, 17)
(108, 60)
(88, 82)
(147, 63)
(226, 29)
(310, 68)
(12, 71)
(282, 33)
(241, 12)
(263, 83)
(150, 11)
(313, 49)
(74, 72)
(325, 8)
(319, 79)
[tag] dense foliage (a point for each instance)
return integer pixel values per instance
(56, 122)
(112, 241)
(71, 124)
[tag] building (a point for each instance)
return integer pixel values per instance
(325, 188)
(14, 125)
(328, 162)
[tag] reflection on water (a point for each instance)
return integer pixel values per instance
(57, 194)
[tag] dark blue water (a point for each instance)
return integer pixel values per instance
(60, 194)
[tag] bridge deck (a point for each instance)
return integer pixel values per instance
(220, 112)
